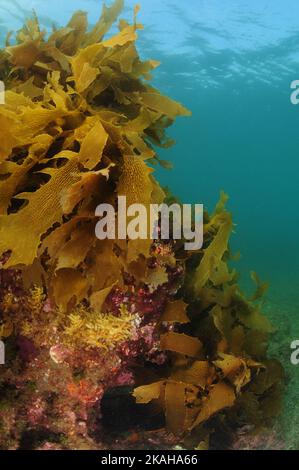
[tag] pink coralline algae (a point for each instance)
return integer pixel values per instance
(59, 387)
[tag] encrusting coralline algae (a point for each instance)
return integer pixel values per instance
(167, 330)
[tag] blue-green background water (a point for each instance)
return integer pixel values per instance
(231, 62)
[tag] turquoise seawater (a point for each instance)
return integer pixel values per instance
(231, 62)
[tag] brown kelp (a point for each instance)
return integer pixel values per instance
(82, 317)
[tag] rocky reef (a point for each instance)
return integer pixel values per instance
(112, 343)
